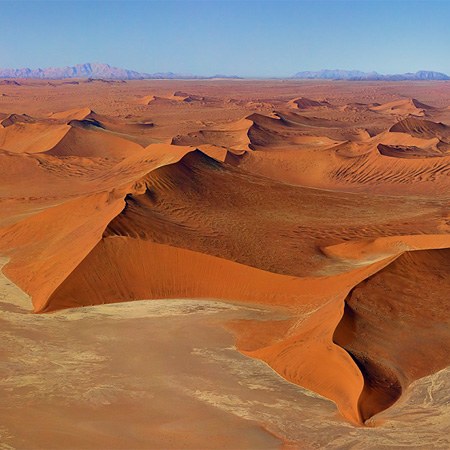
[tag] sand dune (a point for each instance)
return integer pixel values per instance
(9, 83)
(399, 151)
(72, 114)
(24, 137)
(425, 129)
(16, 118)
(177, 96)
(150, 99)
(421, 128)
(406, 107)
(333, 215)
(307, 103)
(233, 136)
(85, 138)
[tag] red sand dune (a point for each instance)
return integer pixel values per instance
(72, 114)
(409, 106)
(32, 137)
(307, 103)
(232, 136)
(334, 213)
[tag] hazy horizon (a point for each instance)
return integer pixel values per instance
(245, 38)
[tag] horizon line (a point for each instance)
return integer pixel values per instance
(188, 75)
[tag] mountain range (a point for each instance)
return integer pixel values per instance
(95, 71)
(357, 75)
(107, 72)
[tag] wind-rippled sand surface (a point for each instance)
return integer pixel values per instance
(320, 208)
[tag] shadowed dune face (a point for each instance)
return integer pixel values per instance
(421, 128)
(16, 118)
(327, 204)
(412, 293)
(398, 151)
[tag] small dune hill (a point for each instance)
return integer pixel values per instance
(77, 132)
(31, 137)
(307, 103)
(87, 138)
(9, 83)
(418, 136)
(130, 128)
(279, 130)
(421, 128)
(64, 135)
(86, 114)
(146, 100)
(404, 107)
(249, 104)
(268, 131)
(357, 107)
(335, 129)
(425, 129)
(397, 151)
(233, 136)
(133, 130)
(187, 98)
(72, 114)
(16, 118)
(405, 139)
(156, 99)
(176, 97)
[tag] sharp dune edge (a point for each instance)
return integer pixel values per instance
(332, 210)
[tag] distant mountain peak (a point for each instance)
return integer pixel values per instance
(94, 70)
(357, 75)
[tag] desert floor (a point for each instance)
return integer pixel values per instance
(166, 374)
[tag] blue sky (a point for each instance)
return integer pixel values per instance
(246, 37)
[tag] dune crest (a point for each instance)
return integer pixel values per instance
(72, 114)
